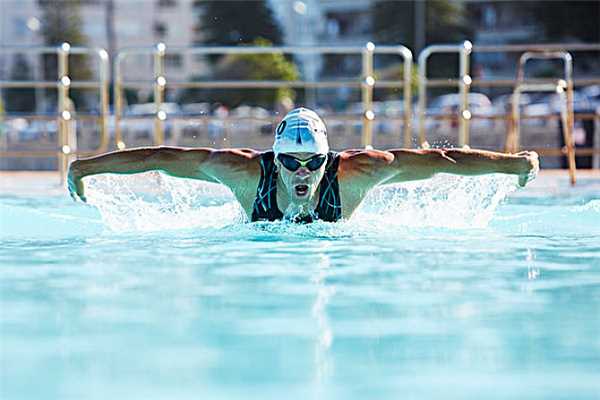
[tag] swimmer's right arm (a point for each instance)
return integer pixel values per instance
(205, 164)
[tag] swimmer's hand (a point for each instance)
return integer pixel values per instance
(75, 182)
(531, 167)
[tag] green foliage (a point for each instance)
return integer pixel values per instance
(235, 22)
(227, 23)
(249, 67)
(394, 22)
(395, 72)
(565, 20)
(20, 99)
(445, 22)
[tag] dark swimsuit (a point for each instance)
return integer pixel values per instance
(265, 207)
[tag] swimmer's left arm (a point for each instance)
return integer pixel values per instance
(410, 164)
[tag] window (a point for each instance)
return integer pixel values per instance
(167, 3)
(173, 60)
(350, 23)
(160, 29)
(20, 26)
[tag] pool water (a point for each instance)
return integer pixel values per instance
(451, 288)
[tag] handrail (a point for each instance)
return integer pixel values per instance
(64, 83)
(366, 83)
(560, 86)
(464, 50)
(464, 81)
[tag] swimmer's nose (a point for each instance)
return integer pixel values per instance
(303, 172)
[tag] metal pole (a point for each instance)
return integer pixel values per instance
(118, 102)
(569, 120)
(422, 102)
(159, 88)
(513, 134)
(367, 94)
(104, 107)
(464, 50)
(464, 85)
(408, 64)
(567, 115)
(64, 112)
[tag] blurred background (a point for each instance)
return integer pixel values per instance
(203, 113)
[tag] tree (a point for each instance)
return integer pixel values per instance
(445, 22)
(61, 22)
(394, 22)
(20, 99)
(565, 20)
(249, 67)
(229, 23)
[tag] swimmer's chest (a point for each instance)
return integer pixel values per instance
(351, 195)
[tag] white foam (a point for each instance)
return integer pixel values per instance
(154, 202)
(447, 201)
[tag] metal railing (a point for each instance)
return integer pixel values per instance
(564, 87)
(464, 82)
(463, 50)
(65, 115)
(366, 82)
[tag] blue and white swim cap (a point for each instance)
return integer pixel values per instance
(301, 131)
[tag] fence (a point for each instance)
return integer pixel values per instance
(64, 114)
(367, 82)
(465, 82)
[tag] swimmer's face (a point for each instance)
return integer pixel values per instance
(301, 174)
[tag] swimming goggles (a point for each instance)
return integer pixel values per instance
(292, 163)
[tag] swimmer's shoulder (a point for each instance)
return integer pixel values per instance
(356, 162)
(234, 164)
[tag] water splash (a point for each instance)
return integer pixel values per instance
(154, 202)
(592, 205)
(446, 201)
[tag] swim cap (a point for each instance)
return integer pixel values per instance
(301, 131)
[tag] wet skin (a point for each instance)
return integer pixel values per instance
(358, 172)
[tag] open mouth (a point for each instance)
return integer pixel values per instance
(301, 190)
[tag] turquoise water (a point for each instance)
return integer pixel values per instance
(451, 288)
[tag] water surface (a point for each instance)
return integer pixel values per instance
(440, 289)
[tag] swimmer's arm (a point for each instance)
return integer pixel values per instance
(198, 163)
(412, 164)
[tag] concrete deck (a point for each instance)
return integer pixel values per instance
(548, 182)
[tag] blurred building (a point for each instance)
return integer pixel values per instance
(136, 23)
(501, 23)
(323, 23)
(118, 24)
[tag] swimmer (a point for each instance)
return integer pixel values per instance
(300, 179)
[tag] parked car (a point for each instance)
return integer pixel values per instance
(547, 104)
(196, 109)
(592, 93)
(250, 112)
(450, 104)
(138, 121)
(149, 109)
(502, 106)
(383, 110)
(252, 119)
